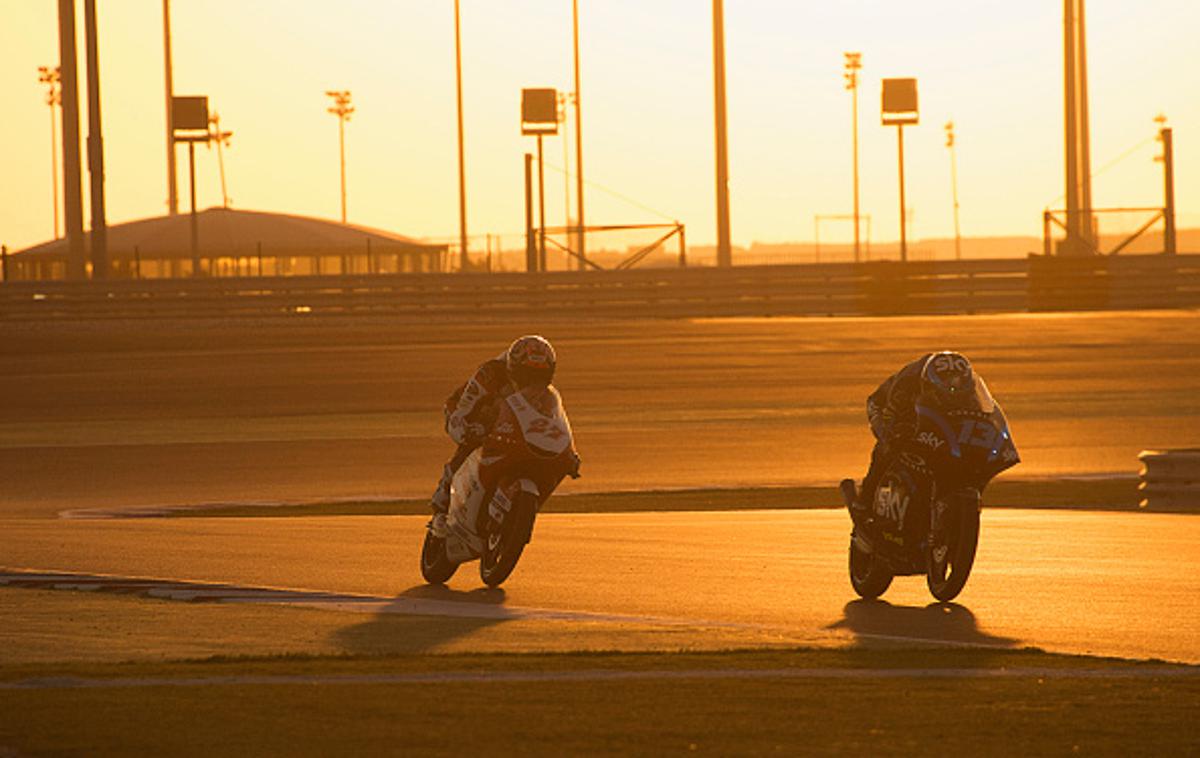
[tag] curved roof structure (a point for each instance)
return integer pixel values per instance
(229, 232)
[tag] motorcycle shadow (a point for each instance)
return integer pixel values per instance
(879, 620)
(402, 628)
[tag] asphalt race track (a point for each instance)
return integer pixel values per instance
(1111, 584)
(123, 414)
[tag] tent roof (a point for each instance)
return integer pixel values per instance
(224, 231)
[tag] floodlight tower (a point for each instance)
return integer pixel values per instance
(853, 65)
(51, 77)
(342, 109)
(954, 188)
(222, 139)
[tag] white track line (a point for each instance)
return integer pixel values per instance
(603, 675)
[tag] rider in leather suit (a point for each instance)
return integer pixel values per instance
(891, 409)
(470, 410)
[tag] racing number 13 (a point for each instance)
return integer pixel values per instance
(986, 438)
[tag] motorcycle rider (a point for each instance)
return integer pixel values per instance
(944, 379)
(470, 410)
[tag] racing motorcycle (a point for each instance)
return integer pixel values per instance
(496, 493)
(923, 517)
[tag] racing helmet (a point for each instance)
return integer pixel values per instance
(947, 380)
(530, 361)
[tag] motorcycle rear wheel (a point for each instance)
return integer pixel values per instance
(502, 552)
(948, 576)
(436, 566)
(869, 577)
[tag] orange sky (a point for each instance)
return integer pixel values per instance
(647, 96)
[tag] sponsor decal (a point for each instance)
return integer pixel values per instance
(891, 503)
(929, 439)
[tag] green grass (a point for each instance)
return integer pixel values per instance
(1028, 715)
(1089, 494)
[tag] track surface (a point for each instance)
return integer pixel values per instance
(1098, 583)
(145, 414)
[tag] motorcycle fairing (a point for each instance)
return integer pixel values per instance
(546, 429)
(466, 499)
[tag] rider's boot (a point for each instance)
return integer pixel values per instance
(440, 502)
(854, 500)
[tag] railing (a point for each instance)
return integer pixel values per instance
(877, 288)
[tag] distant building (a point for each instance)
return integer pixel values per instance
(240, 243)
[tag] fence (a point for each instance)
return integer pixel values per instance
(877, 288)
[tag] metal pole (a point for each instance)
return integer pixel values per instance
(462, 170)
(954, 188)
(220, 138)
(724, 251)
(903, 220)
(172, 192)
(856, 240)
(566, 179)
(53, 98)
(581, 235)
(853, 64)
(95, 144)
(194, 224)
(1169, 191)
(682, 246)
(1072, 241)
(72, 191)
(1084, 126)
(530, 245)
(541, 208)
(342, 160)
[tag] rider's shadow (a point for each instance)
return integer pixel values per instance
(423, 618)
(936, 622)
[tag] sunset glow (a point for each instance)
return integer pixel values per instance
(647, 108)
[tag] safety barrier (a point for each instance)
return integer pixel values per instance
(1170, 480)
(875, 288)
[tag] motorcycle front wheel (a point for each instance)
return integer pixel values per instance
(504, 548)
(869, 577)
(951, 558)
(436, 567)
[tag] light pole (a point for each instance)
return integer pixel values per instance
(581, 237)
(565, 99)
(222, 138)
(853, 64)
(899, 108)
(724, 251)
(168, 78)
(954, 188)
(51, 78)
(342, 109)
(462, 164)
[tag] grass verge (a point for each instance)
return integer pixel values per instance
(1054, 710)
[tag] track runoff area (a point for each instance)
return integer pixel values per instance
(93, 663)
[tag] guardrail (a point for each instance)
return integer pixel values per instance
(1170, 480)
(876, 288)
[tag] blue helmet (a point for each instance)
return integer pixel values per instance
(947, 379)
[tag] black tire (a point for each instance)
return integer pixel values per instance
(869, 577)
(501, 554)
(436, 567)
(948, 576)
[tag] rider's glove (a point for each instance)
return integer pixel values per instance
(901, 431)
(475, 433)
(463, 431)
